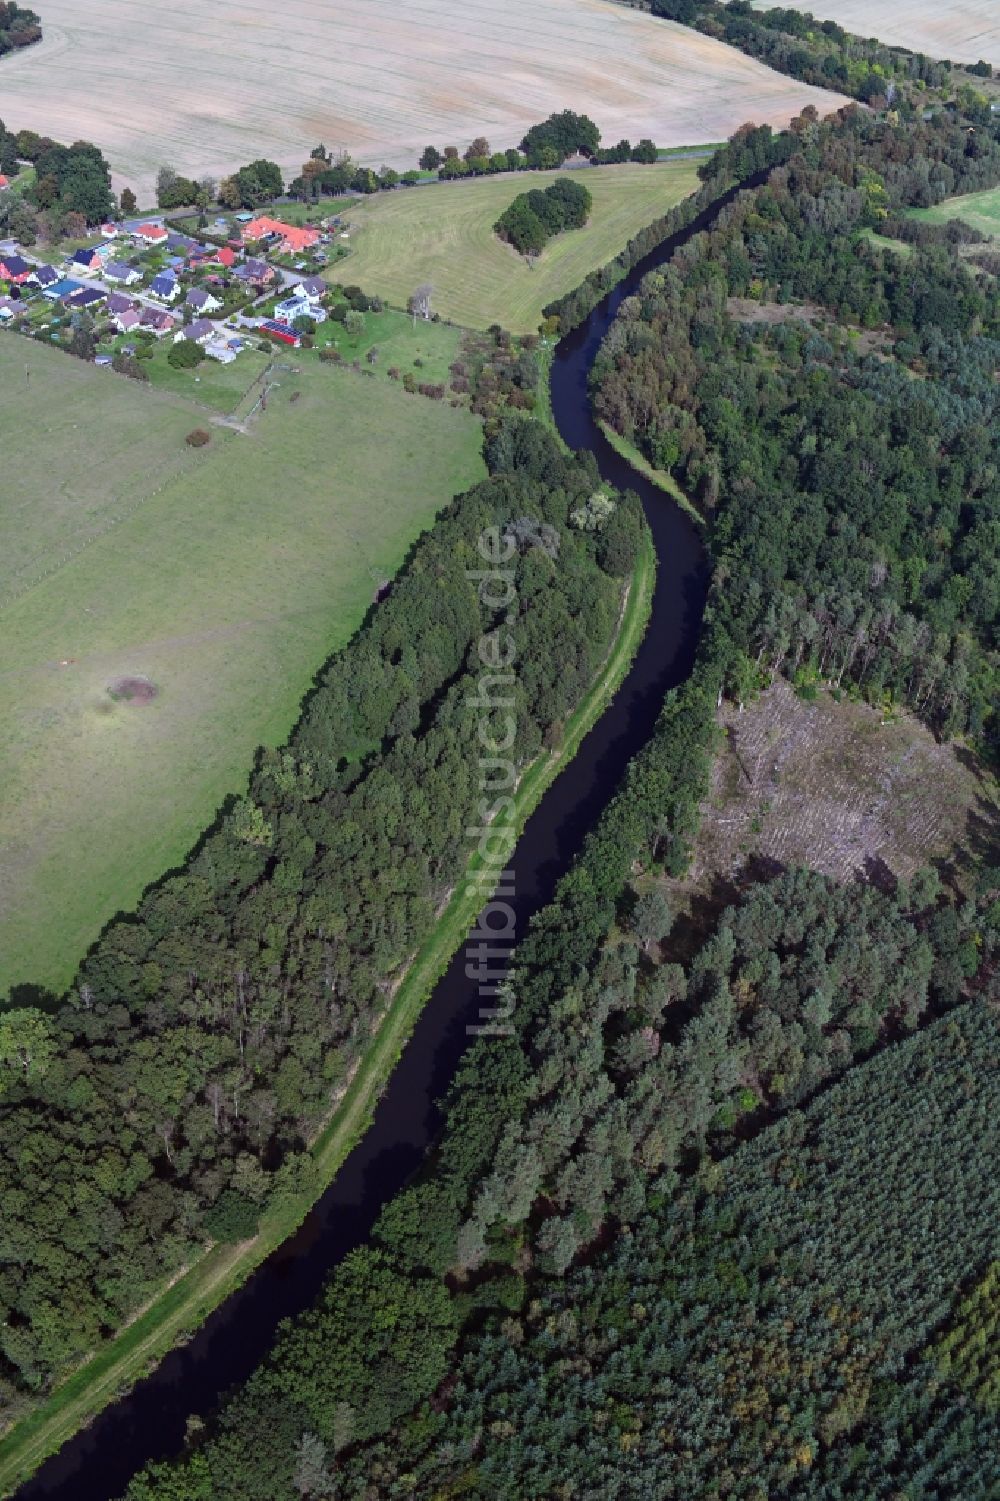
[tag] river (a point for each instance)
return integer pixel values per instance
(149, 1423)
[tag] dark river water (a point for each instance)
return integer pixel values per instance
(149, 1422)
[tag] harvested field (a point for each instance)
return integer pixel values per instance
(829, 786)
(206, 88)
(962, 30)
(190, 598)
(443, 235)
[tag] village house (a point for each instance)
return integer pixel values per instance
(290, 237)
(313, 287)
(255, 272)
(86, 297)
(150, 234)
(165, 286)
(117, 271)
(85, 262)
(127, 319)
(298, 307)
(59, 290)
(199, 332)
(46, 276)
(202, 301)
(157, 320)
(16, 270)
(109, 231)
(4, 182)
(225, 257)
(9, 309)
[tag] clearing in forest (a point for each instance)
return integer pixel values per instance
(834, 787)
(167, 608)
(980, 210)
(443, 235)
(206, 88)
(962, 30)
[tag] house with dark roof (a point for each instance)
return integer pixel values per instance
(199, 332)
(62, 289)
(157, 320)
(202, 301)
(118, 271)
(14, 268)
(179, 244)
(256, 271)
(9, 309)
(118, 302)
(165, 286)
(281, 331)
(86, 297)
(84, 261)
(45, 276)
(313, 287)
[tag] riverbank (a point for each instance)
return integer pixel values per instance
(658, 477)
(188, 1301)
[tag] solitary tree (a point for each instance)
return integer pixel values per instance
(420, 302)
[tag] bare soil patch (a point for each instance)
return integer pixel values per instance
(136, 691)
(833, 787)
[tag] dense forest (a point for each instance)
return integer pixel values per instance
(843, 435)
(19, 26)
(173, 1091)
(718, 1223)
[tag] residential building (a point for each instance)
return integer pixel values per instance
(157, 320)
(294, 307)
(202, 301)
(152, 234)
(199, 332)
(165, 286)
(280, 331)
(84, 262)
(118, 271)
(15, 269)
(290, 238)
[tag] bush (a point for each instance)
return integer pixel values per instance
(186, 355)
(232, 1218)
(198, 438)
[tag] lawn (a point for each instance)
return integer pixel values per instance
(225, 576)
(444, 235)
(980, 210)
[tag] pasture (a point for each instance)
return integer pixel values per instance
(444, 235)
(232, 574)
(206, 88)
(962, 30)
(980, 210)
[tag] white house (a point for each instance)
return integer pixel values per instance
(118, 271)
(298, 307)
(199, 332)
(202, 301)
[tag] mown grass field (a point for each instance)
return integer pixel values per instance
(444, 235)
(232, 574)
(209, 87)
(981, 210)
(962, 30)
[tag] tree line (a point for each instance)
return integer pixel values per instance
(72, 187)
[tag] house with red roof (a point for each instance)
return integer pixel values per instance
(153, 234)
(225, 257)
(4, 182)
(291, 238)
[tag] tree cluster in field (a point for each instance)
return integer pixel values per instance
(620, 1293)
(205, 1037)
(72, 187)
(533, 218)
(19, 27)
(325, 175)
(856, 495)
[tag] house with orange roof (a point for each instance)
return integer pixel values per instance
(151, 233)
(291, 237)
(4, 182)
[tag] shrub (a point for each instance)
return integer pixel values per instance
(185, 355)
(232, 1218)
(198, 437)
